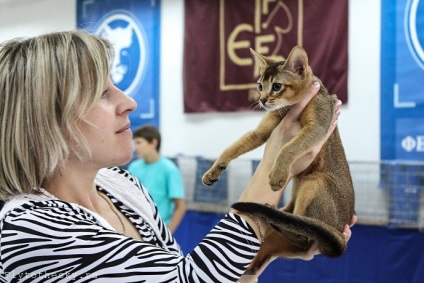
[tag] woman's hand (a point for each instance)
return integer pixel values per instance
(290, 126)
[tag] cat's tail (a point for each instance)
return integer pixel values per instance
(331, 242)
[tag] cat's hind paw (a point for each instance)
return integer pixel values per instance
(212, 175)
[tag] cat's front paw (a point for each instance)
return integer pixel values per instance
(277, 179)
(212, 175)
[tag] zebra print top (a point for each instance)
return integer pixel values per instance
(48, 240)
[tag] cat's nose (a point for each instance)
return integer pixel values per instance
(263, 101)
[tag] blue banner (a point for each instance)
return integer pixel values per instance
(133, 26)
(402, 73)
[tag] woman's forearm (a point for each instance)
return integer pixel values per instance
(258, 190)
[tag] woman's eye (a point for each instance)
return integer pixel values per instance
(259, 86)
(276, 86)
(104, 93)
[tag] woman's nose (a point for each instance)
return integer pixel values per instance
(128, 104)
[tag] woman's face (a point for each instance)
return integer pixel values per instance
(107, 129)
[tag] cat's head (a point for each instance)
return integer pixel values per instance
(283, 83)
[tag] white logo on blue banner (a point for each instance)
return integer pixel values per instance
(402, 70)
(414, 38)
(128, 39)
(409, 138)
(133, 27)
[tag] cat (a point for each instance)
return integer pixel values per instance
(322, 201)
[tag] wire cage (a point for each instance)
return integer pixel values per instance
(404, 183)
(387, 193)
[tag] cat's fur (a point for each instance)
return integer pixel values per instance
(323, 198)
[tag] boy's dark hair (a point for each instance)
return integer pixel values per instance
(149, 133)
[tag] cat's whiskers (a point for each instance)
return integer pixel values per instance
(255, 106)
(252, 106)
(259, 107)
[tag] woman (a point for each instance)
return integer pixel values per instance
(67, 218)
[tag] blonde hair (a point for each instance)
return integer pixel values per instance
(47, 84)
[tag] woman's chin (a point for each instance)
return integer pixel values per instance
(125, 159)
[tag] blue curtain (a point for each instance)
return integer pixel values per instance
(374, 254)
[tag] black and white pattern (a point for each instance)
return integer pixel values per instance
(55, 241)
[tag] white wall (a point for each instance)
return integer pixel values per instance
(28, 17)
(208, 134)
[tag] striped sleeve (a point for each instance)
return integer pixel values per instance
(53, 241)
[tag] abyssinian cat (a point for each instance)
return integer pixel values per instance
(322, 199)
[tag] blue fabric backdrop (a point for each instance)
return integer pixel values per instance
(374, 254)
(402, 71)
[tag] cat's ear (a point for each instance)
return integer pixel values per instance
(297, 61)
(261, 61)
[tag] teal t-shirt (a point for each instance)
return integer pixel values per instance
(163, 181)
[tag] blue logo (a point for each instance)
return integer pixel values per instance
(128, 38)
(414, 31)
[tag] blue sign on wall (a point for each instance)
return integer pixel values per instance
(402, 76)
(133, 26)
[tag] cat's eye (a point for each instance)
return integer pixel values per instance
(259, 86)
(276, 86)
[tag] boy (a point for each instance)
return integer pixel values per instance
(159, 175)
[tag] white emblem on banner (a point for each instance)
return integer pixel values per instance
(129, 64)
(413, 35)
(410, 143)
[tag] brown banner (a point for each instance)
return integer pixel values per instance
(219, 71)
